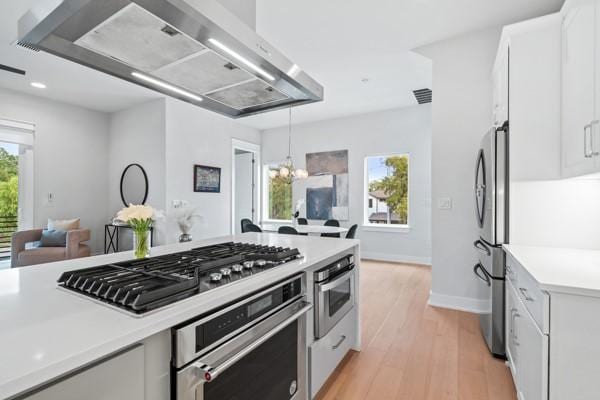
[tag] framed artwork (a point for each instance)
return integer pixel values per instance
(207, 179)
(327, 185)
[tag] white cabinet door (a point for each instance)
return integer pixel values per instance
(500, 82)
(578, 90)
(510, 313)
(532, 347)
(120, 377)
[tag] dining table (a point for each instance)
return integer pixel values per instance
(305, 229)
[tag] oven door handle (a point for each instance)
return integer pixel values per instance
(324, 287)
(208, 373)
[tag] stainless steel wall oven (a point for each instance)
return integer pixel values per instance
(252, 349)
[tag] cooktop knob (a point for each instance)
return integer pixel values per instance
(237, 268)
(215, 277)
(225, 271)
(248, 264)
(261, 263)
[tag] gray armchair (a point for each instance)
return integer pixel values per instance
(21, 256)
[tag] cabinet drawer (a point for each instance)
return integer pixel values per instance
(535, 300)
(512, 270)
(327, 352)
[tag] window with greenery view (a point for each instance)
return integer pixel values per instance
(279, 191)
(387, 190)
(9, 186)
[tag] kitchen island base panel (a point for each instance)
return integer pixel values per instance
(326, 353)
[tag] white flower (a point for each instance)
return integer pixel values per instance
(185, 218)
(139, 212)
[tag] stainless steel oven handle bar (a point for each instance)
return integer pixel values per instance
(336, 282)
(208, 373)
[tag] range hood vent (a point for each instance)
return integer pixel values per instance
(194, 50)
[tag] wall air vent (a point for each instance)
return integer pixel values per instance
(423, 96)
(12, 69)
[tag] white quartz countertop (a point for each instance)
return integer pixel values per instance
(46, 333)
(561, 270)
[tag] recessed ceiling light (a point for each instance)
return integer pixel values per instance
(38, 85)
(242, 59)
(165, 85)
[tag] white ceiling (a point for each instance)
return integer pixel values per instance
(338, 42)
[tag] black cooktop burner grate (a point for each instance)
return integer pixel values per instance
(143, 285)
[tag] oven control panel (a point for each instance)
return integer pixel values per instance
(223, 324)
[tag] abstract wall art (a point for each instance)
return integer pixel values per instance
(327, 185)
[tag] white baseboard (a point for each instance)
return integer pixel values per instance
(468, 304)
(400, 258)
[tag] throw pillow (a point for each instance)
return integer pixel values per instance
(63, 224)
(52, 238)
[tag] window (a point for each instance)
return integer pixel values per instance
(278, 195)
(386, 190)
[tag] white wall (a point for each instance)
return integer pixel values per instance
(245, 10)
(462, 104)
(562, 213)
(137, 135)
(70, 153)
(197, 136)
(406, 130)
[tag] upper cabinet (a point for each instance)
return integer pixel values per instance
(580, 131)
(500, 82)
(526, 92)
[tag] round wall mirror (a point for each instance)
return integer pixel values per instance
(134, 185)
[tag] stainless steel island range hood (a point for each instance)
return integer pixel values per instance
(194, 50)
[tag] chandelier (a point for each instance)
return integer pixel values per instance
(286, 169)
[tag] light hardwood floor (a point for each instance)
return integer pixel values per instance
(412, 351)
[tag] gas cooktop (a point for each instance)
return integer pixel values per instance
(140, 286)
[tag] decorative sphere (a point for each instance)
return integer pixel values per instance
(284, 172)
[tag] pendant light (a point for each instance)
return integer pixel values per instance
(287, 169)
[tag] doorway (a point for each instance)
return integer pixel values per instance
(16, 182)
(244, 183)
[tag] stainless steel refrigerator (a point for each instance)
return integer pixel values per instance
(491, 197)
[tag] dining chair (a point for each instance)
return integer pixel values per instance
(244, 222)
(351, 234)
(302, 221)
(252, 228)
(287, 230)
(331, 222)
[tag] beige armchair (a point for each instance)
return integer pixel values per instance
(21, 256)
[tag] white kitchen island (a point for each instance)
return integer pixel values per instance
(48, 334)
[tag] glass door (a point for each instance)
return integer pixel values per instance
(9, 195)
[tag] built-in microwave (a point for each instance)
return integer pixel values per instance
(334, 294)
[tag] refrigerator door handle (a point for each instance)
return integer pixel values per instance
(479, 245)
(478, 267)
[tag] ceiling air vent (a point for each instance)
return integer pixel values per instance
(423, 96)
(12, 69)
